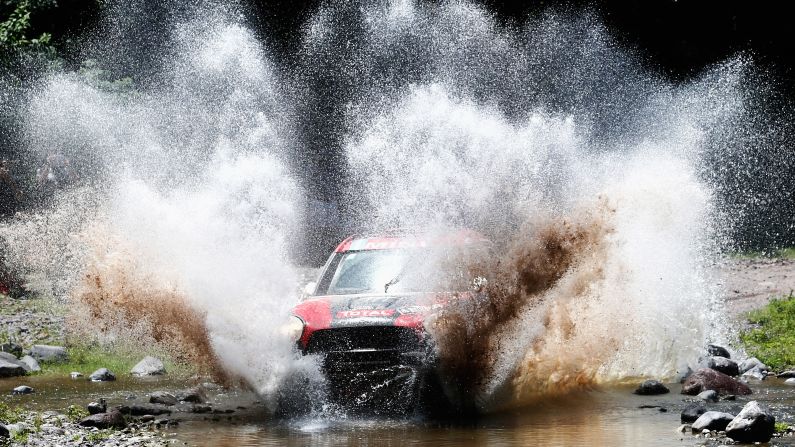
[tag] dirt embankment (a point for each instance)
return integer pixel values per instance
(748, 284)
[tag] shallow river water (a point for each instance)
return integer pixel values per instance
(599, 417)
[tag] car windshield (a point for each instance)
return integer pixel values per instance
(394, 271)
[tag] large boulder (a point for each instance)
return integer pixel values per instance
(102, 375)
(163, 398)
(721, 364)
(709, 379)
(692, 412)
(651, 387)
(755, 423)
(754, 373)
(149, 366)
(195, 395)
(708, 396)
(3, 431)
(48, 353)
(97, 407)
(718, 351)
(751, 363)
(712, 420)
(7, 356)
(11, 369)
(31, 363)
(111, 419)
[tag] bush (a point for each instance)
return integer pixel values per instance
(773, 338)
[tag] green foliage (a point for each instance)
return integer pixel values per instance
(781, 253)
(10, 415)
(75, 413)
(781, 427)
(773, 338)
(20, 437)
(38, 421)
(87, 358)
(96, 436)
(15, 30)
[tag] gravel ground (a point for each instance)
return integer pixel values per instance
(751, 283)
(50, 428)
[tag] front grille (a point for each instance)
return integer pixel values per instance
(378, 338)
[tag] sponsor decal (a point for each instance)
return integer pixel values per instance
(364, 313)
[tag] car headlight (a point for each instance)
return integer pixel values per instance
(293, 329)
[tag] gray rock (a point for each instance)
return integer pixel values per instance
(786, 374)
(19, 427)
(721, 364)
(712, 420)
(790, 381)
(193, 395)
(102, 375)
(149, 366)
(692, 412)
(48, 353)
(718, 351)
(75, 375)
(163, 398)
(751, 363)
(709, 379)
(754, 373)
(201, 409)
(651, 387)
(23, 389)
(3, 431)
(9, 369)
(7, 356)
(97, 407)
(111, 419)
(140, 410)
(31, 363)
(755, 423)
(708, 396)
(147, 418)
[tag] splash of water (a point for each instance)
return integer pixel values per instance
(585, 170)
(182, 234)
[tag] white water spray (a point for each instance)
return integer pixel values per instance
(450, 121)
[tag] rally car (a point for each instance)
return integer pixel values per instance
(365, 317)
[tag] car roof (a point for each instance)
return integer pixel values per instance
(401, 238)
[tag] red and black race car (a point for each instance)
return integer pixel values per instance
(366, 315)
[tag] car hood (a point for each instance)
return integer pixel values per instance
(406, 310)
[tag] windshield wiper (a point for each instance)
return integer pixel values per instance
(392, 281)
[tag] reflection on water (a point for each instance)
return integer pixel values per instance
(603, 417)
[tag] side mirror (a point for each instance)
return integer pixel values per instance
(309, 288)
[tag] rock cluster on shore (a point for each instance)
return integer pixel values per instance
(52, 428)
(754, 423)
